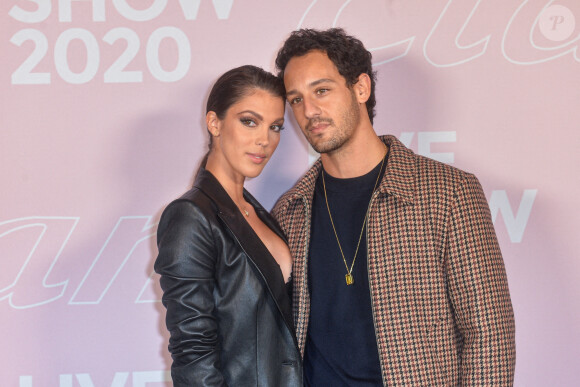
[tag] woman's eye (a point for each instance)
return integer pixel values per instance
(277, 128)
(248, 122)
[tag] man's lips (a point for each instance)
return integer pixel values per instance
(318, 126)
(257, 158)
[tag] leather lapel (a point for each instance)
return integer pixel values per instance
(248, 240)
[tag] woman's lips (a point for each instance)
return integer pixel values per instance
(257, 158)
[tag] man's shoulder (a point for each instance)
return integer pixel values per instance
(285, 201)
(439, 169)
(430, 176)
(301, 191)
(442, 183)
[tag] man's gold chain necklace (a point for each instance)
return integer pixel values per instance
(348, 276)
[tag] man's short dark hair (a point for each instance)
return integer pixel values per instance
(347, 53)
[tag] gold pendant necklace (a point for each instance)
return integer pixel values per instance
(348, 276)
(243, 210)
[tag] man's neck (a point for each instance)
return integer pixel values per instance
(358, 156)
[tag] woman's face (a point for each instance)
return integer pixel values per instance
(248, 134)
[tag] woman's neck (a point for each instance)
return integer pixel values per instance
(232, 183)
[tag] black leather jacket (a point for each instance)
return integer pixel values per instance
(228, 312)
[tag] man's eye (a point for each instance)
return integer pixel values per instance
(296, 100)
(321, 91)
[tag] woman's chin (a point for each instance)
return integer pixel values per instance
(254, 172)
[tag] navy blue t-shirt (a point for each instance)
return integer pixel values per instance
(341, 347)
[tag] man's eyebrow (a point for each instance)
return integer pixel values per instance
(319, 81)
(312, 84)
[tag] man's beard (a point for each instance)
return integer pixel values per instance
(350, 120)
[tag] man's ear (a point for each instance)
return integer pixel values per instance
(212, 121)
(362, 88)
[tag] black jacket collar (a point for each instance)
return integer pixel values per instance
(248, 240)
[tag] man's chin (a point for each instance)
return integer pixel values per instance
(325, 146)
(319, 143)
(327, 142)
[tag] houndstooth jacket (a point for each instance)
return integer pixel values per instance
(441, 305)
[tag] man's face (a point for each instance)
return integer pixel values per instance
(325, 108)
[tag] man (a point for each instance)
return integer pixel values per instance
(398, 276)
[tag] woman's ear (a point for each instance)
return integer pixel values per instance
(212, 121)
(362, 88)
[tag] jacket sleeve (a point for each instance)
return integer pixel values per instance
(479, 291)
(186, 263)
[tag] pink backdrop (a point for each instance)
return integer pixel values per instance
(101, 126)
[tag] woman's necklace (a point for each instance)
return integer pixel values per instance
(348, 276)
(243, 209)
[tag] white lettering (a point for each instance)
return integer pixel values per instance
(406, 138)
(150, 290)
(391, 52)
(126, 236)
(120, 379)
(61, 56)
(65, 10)
(25, 277)
(465, 53)
(25, 381)
(190, 8)
(140, 15)
(425, 139)
(183, 49)
(527, 50)
(41, 13)
(223, 8)
(65, 380)
(516, 225)
(140, 379)
(23, 75)
(84, 380)
(117, 73)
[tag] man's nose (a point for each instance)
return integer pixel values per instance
(311, 108)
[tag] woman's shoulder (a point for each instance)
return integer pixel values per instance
(195, 196)
(185, 234)
(195, 199)
(192, 205)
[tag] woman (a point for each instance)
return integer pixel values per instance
(224, 263)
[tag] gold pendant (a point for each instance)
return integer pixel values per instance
(349, 279)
